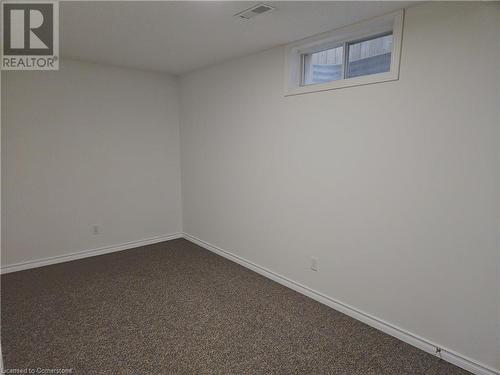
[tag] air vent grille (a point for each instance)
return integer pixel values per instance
(254, 11)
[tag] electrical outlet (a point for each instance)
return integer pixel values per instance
(95, 229)
(314, 264)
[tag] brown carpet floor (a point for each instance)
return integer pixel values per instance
(175, 308)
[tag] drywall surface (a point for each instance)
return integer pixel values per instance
(392, 186)
(87, 145)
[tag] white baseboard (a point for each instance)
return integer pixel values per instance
(87, 253)
(403, 335)
(408, 337)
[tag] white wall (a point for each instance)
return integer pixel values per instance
(393, 186)
(87, 145)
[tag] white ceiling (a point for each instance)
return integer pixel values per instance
(177, 37)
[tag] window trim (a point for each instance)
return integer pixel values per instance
(294, 52)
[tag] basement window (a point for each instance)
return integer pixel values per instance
(360, 54)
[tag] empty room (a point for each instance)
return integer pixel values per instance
(235, 187)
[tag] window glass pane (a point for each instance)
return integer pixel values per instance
(370, 56)
(323, 66)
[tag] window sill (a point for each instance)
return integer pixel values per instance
(350, 82)
(392, 22)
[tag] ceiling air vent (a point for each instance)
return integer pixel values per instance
(254, 11)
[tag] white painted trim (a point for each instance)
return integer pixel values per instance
(401, 334)
(87, 253)
(376, 25)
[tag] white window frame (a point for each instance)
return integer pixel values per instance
(294, 53)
